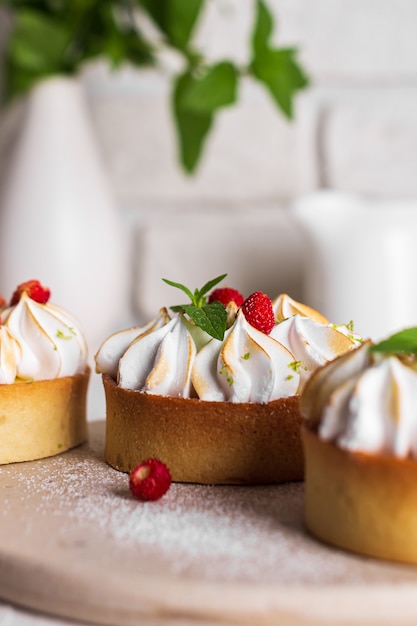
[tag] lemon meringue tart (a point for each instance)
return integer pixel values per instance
(215, 407)
(360, 448)
(43, 377)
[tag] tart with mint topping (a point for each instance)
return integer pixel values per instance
(211, 387)
(43, 377)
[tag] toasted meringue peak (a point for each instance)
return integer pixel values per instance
(159, 361)
(9, 356)
(112, 349)
(51, 345)
(313, 344)
(365, 402)
(247, 366)
(284, 306)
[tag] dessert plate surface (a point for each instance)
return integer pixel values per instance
(75, 544)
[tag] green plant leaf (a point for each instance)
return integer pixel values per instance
(279, 71)
(179, 286)
(216, 88)
(211, 318)
(210, 284)
(403, 342)
(192, 126)
(197, 298)
(104, 31)
(276, 68)
(177, 19)
(38, 42)
(264, 26)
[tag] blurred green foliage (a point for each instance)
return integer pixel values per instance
(51, 37)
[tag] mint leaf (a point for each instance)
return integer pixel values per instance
(198, 297)
(211, 318)
(263, 29)
(177, 19)
(403, 342)
(210, 284)
(216, 88)
(179, 286)
(192, 126)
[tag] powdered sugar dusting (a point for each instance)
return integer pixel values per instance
(219, 533)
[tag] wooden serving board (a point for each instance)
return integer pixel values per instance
(74, 543)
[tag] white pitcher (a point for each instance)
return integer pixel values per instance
(58, 219)
(360, 260)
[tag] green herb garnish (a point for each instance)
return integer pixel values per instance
(210, 317)
(403, 342)
(246, 356)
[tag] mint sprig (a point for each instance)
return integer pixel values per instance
(403, 342)
(210, 317)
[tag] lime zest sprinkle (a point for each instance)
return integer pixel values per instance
(225, 372)
(296, 366)
(60, 333)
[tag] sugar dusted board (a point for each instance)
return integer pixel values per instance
(74, 543)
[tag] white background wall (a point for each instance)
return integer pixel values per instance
(355, 131)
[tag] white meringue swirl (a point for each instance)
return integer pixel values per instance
(160, 361)
(50, 343)
(367, 403)
(9, 356)
(112, 349)
(247, 366)
(312, 343)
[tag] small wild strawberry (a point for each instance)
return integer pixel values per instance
(149, 480)
(33, 289)
(225, 295)
(258, 311)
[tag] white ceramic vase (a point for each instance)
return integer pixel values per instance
(360, 260)
(58, 220)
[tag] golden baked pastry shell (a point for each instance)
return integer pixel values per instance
(42, 418)
(204, 442)
(360, 502)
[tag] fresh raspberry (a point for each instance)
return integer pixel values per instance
(257, 309)
(34, 290)
(226, 295)
(149, 480)
(2, 301)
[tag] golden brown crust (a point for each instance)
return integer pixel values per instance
(360, 502)
(42, 418)
(204, 442)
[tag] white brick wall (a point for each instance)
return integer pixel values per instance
(355, 130)
(251, 152)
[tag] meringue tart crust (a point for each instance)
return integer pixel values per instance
(360, 502)
(204, 442)
(42, 418)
